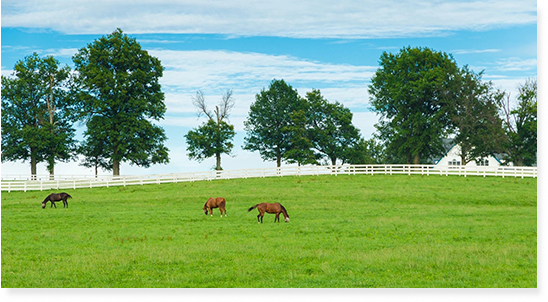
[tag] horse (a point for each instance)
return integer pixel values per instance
(271, 208)
(53, 197)
(212, 203)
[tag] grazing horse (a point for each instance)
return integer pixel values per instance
(54, 197)
(271, 208)
(212, 203)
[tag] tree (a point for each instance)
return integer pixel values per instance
(367, 152)
(93, 148)
(410, 93)
(300, 146)
(215, 136)
(36, 113)
(269, 124)
(520, 125)
(119, 94)
(474, 116)
(331, 130)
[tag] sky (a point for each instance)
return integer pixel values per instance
(213, 46)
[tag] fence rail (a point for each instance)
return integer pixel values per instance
(45, 182)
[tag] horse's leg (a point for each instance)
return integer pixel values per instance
(277, 218)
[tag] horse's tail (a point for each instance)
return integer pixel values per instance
(253, 207)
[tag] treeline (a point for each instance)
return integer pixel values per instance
(114, 90)
(281, 126)
(423, 97)
(420, 95)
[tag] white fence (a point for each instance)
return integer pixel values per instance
(44, 182)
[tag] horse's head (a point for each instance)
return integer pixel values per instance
(287, 219)
(205, 210)
(44, 204)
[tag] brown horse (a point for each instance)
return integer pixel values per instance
(54, 197)
(271, 208)
(212, 203)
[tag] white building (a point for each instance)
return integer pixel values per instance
(452, 158)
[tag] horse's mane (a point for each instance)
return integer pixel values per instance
(285, 211)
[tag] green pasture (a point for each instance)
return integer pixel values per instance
(345, 231)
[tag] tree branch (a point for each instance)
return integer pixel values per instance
(199, 101)
(226, 104)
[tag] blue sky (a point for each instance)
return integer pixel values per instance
(243, 45)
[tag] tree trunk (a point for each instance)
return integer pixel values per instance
(116, 168)
(51, 168)
(218, 164)
(278, 160)
(408, 154)
(417, 159)
(463, 160)
(32, 164)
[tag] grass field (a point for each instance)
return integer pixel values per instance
(345, 231)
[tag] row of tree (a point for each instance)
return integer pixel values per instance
(420, 95)
(114, 90)
(422, 98)
(281, 126)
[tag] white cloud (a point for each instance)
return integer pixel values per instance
(473, 51)
(248, 73)
(303, 19)
(227, 69)
(516, 64)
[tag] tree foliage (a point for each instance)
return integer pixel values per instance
(410, 94)
(119, 94)
(283, 126)
(210, 139)
(520, 124)
(331, 130)
(37, 121)
(474, 116)
(269, 124)
(214, 137)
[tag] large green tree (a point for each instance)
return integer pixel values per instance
(474, 116)
(520, 124)
(36, 113)
(410, 93)
(214, 137)
(269, 125)
(330, 128)
(120, 95)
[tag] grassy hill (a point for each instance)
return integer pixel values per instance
(345, 231)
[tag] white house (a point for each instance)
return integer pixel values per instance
(452, 158)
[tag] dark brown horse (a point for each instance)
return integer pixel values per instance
(54, 197)
(271, 208)
(212, 203)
